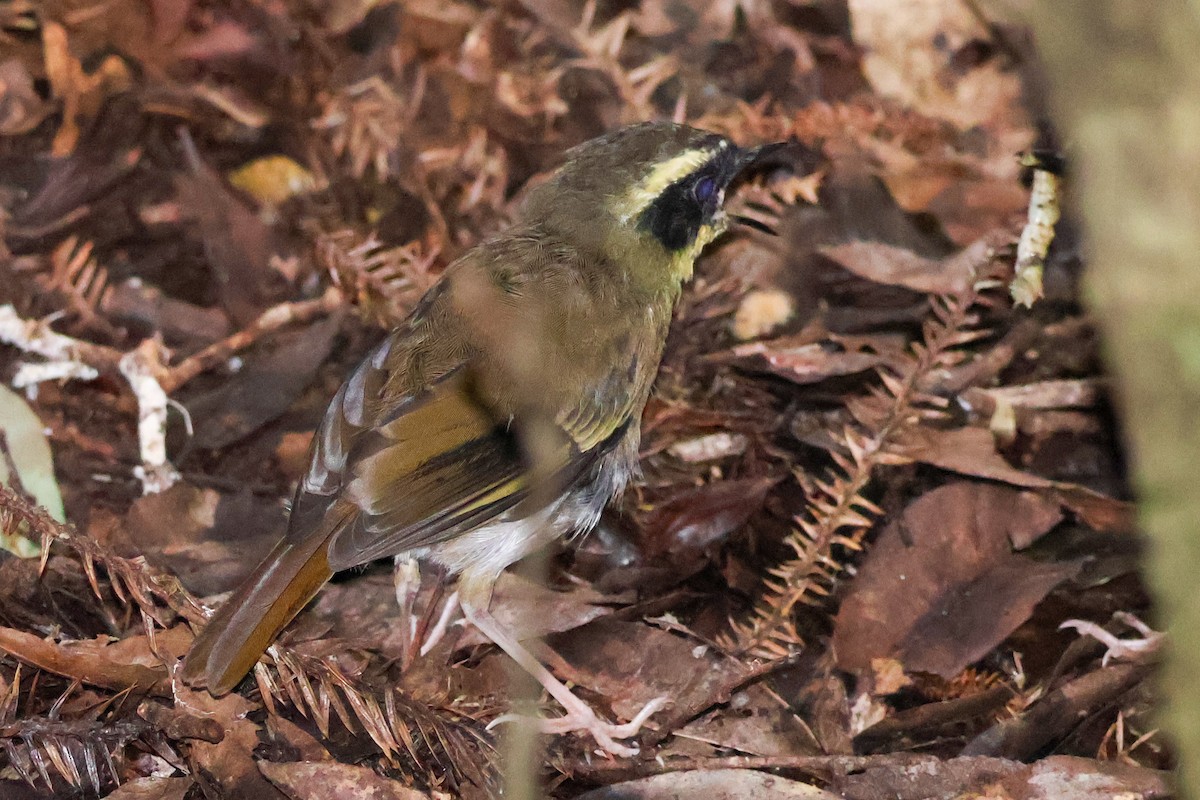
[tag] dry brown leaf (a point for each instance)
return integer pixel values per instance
(941, 587)
(762, 725)
(684, 525)
(238, 245)
(159, 788)
(209, 540)
(899, 266)
(230, 762)
(319, 780)
(270, 379)
(807, 362)
(630, 664)
(118, 665)
(716, 784)
(284, 731)
(972, 451)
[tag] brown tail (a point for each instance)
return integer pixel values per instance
(263, 605)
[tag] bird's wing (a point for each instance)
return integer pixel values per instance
(499, 389)
(444, 464)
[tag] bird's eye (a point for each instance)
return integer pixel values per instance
(704, 189)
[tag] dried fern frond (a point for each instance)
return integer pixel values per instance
(602, 46)
(766, 199)
(156, 595)
(469, 175)
(412, 735)
(366, 120)
(75, 281)
(76, 273)
(384, 281)
(81, 755)
(838, 514)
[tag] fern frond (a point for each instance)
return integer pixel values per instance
(414, 737)
(838, 515)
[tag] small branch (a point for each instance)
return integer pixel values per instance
(140, 367)
(272, 319)
(823, 767)
(75, 358)
(1058, 712)
(149, 378)
(71, 358)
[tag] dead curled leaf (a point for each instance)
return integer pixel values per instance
(808, 362)
(972, 451)
(153, 788)
(317, 780)
(713, 784)
(882, 262)
(272, 377)
(1052, 778)
(631, 663)
(698, 518)
(120, 665)
(764, 725)
(942, 585)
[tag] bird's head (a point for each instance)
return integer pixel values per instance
(647, 198)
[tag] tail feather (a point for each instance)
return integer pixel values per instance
(244, 627)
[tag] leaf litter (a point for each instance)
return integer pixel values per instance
(872, 488)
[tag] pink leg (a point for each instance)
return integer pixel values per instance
(440, 627)
(579, 716)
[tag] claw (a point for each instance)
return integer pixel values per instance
(583, 719)
(579, 715)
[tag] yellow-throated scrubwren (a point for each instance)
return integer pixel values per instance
(504, 412)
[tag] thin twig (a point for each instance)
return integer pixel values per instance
(270, 320)
(144, 370)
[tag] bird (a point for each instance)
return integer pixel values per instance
(504, 412)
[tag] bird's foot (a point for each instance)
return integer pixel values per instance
(1132, 649)
(582, 719)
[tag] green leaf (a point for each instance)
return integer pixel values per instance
(24, 432)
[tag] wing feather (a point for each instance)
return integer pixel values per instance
(450, 424)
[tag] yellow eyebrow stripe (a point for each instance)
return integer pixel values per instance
(641, 196)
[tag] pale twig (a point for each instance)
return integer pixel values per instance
(1038, 234)
(150, 379)
(141, 366)
(270, 320)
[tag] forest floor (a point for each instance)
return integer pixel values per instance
(884, 523)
